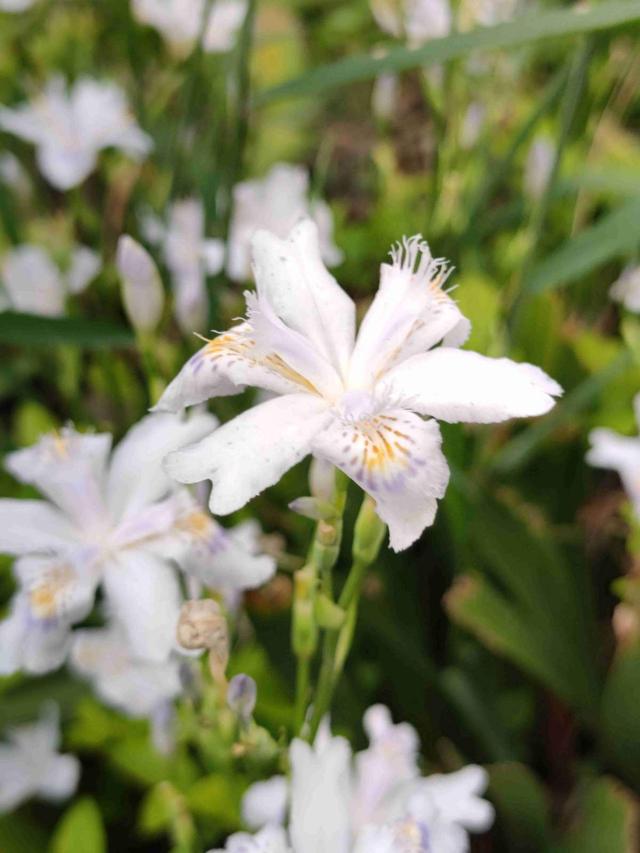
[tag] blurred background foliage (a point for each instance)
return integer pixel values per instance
(494, 634)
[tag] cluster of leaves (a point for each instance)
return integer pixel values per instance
(493, 635)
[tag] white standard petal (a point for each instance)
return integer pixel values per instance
(136, 478)
(290, 274)
(320, 795)
(31, 527)
(396, 457)
(144, 596)
(410, 314)
(246, 455)
(457, 385)
(224, 23)
(626, 288)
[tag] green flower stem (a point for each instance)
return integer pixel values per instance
(317, 571)
(368, 535)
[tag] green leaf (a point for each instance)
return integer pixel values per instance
(80, 829)
(521, 31)
(217, 796)
(613, 236)
(29, 330)
(20, 835)
(620, 715)
(522, 807)
(608, 816)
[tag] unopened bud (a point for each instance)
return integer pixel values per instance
(322, 479)
(202, 626)
(314, 508)
(142, 292)
(368, 533)
(304, 626)
(241, 696)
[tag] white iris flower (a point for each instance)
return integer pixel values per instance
(375, 802)
(276, 202)
(620, 453)
(180, 22)
(69, 127)
(114, 520)
(364, 403)
(34, 284)
(31, 766)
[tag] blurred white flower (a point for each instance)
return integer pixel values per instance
(190, 257)
(375, 802)
(620, 453)
(472, 123)
(142, 292)
(31, 766)
(180, 22)
(418, 21)
(34, 284)
(627, 288)
(116, 521)
(271, 839)
(136, 686)
(538, 166)
(266, 803)
(358, 403)
(487, 13)
(276, 202)
(242, 695)
(15, 5)
(14, 175)
(69, 127)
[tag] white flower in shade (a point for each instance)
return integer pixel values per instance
(416, 20)
(113, 520)
(190, 257)
(271, 839)
(180, 22)
(69, 127)
(376, 802)
(15, 5)
(365, 404)
(627, 288)
(31, 766)
(35, 285)
(276, 202)
(137, 686)
(620, 453)
(538, 166)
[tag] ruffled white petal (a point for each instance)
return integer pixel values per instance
(290, 274)
(136, 477)
(456, 797)
(31, 645)
(28, 527)
(246, 455)
(265, 803)
(458, 385)
(143, 595)
(396, 457)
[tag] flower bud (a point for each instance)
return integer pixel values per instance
(314, 508)
(241, 696)
(202, 626)
(322, 480)
(142, 292)
(368, 533)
